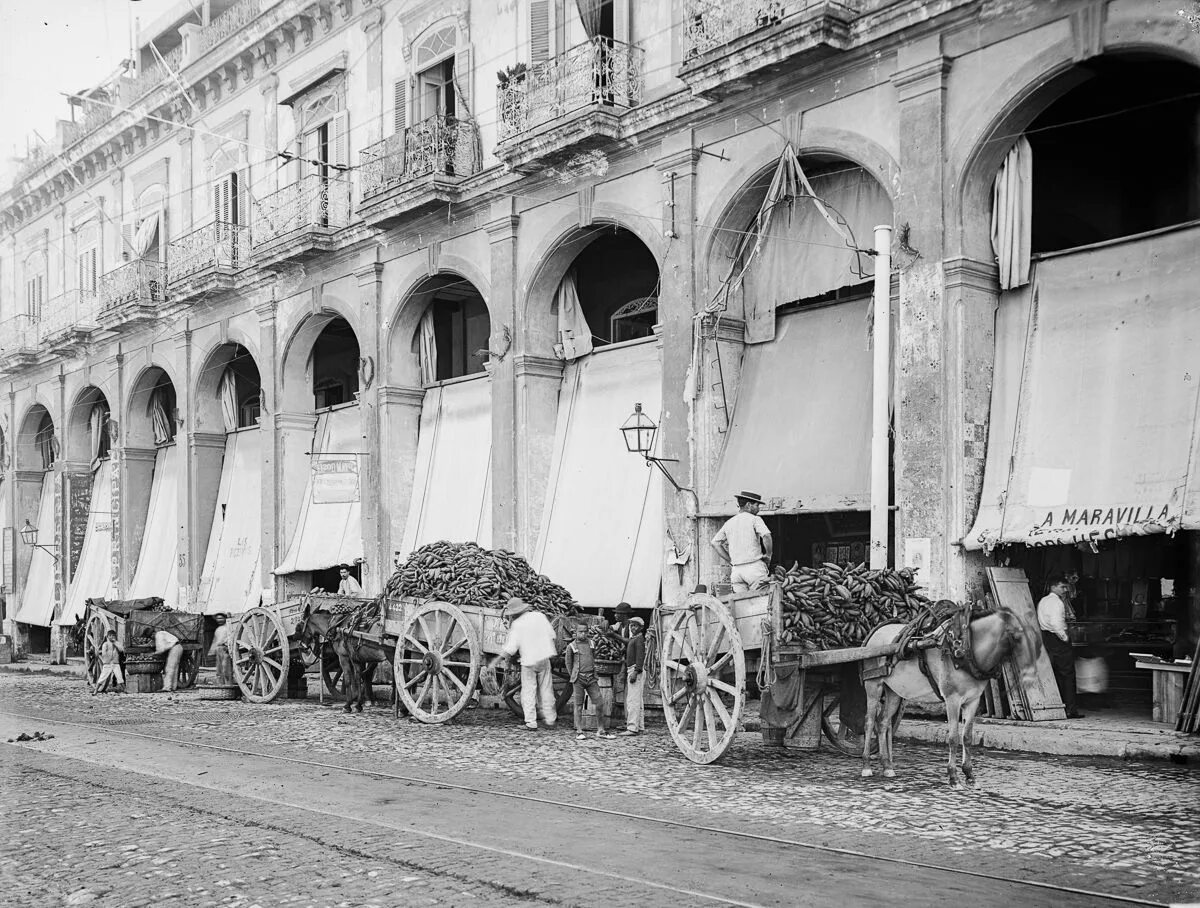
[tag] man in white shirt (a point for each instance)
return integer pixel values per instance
(745, 542)
(166, 642)
(532, 637)
(1053, 614)
(347, 585)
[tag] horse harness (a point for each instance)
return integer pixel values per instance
(948, 630)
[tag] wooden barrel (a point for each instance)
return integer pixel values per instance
(142, 683)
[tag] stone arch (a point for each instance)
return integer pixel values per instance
(205, 402)
(557, 253)
(296, 359)
(151, 389)
(78, 443)
(36, 423)
(999, 119)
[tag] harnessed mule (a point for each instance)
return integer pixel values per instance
(358, 659)
(954, 667)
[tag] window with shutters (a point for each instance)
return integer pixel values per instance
(435, 90)
(35, 284)
(87, 270)
(400, 104)
(539, 31)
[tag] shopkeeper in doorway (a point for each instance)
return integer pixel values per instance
(745, 542)
(347, 585)
(1053, 613)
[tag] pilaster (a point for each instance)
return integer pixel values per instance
(134, 471)
(537, 381)
(269, 87)
(400, 422)
(370, 297)
(506, 461)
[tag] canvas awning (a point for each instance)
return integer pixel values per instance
(452, 486)
(37, 599)
(1094, 398)
(157, 564)
(329, 531)
(230, 581)
(602, 525)
(801, 425)
(94, 574)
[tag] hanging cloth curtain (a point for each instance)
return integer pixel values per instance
(46, 446)
(428, 348)
(227, 393)
(589, 15)
(574, 333)
(146, 232)
(1012, 214)
(97, 421)
(160, 420)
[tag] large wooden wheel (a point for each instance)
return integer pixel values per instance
(703, 677)
(260, 655)
(437, 662)
(97, 629)
(189, 670)
(510, 686)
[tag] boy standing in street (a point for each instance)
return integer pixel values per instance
(110, 666)
(635, 679)
(581, 667)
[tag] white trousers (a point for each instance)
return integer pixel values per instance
(635, 709)
(171, 671)
(749, 576)
(109, 672)
(537, 692)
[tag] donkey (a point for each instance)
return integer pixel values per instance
(921, 673)
(324, 633)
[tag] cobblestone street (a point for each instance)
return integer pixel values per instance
(1098, 826)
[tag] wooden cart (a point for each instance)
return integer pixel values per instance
(130, 620)
(708, 646)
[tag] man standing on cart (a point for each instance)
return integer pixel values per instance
(532, 637)
(745, 542)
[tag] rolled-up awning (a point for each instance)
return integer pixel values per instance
(801, 426)
(157, 564)
(452, 486)
(230, 581)
(37, 599)
(94, 574)
(602, 526)
(1095, 398)
(329, 531)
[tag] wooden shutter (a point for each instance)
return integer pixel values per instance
(310, 152)
(462, 81)
(221, 193)
(339, 140)
(539, 31)
(93, 268)
(127, 232)
(400, 104)
(241, 207)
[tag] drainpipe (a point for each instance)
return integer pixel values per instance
(881, 386)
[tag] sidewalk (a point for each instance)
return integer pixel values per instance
(41, 665)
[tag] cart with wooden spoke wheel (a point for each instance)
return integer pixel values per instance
(260, 648)
(438, 654)
(131, 620)
(709, 645)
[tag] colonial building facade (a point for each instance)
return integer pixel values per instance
(318, 281)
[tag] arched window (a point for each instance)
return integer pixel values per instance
(335, 365)
(616, 278)
(453, 334)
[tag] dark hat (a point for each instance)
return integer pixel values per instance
(624, 608)
(749, 496)
(343, 567)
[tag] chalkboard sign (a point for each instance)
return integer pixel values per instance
(79, 504)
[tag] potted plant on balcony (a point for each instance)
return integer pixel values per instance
(512, 75)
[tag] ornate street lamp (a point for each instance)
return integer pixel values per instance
(639, 431)
(29, 536)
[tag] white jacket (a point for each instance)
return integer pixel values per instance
(533, 637)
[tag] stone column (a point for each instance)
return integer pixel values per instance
(923, 459)
(372, 22)
(676, 163)
(535, 408)
(188, 179)
(269, 86)
(376, 568)
(204, 454)
(400, 419)
(268, 372)
(502, 234)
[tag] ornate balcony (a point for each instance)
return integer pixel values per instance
(18, 342)
(133, 294)
(69, 320)
(421, 166)
(731, 45)
(569, 103)
(207, 259)
(300, 220)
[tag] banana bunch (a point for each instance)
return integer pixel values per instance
(836, 605)
(464, 573)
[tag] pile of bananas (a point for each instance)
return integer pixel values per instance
(835, 605)
(464, 573)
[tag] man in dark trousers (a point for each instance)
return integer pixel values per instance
(1053, 613)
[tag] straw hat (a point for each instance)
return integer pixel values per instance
(748, 496)
(516, 606)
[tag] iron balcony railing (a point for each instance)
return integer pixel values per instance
(218, 245)
(230, 22)
(74, 310)
(709, 24)
(153, 75)
(441, 146)
(18, 334)
(310, 203)
(134, 284)
(599, 71)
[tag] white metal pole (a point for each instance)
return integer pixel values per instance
(881, 387)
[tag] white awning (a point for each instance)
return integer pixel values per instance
(452, 488)
(93, 575)
(801, 425)
(329, 531)
(37, 600)
(230, 581)
(157, 564)
(602, 525)
(1094, 398)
